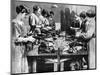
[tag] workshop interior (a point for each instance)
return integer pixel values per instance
(52, 37)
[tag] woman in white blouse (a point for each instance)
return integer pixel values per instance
(19, 62)
(36, 19)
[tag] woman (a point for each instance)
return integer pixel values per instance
(46, 22)
(45, 15)
(19, 62)
(36, 20)
(90, 34)
(51, 20)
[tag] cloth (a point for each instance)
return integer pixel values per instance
(92, 55)
(90, 28)
(35, 20)
(90, 31)
(18, 27)
(19, 63)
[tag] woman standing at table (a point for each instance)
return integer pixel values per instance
(36, 19)
(19, 62)
(91, 34)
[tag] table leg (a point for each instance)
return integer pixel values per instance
(55, 67)
(34, 65)
(62, 66)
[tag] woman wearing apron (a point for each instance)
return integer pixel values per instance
(91, 34)
(19, 61)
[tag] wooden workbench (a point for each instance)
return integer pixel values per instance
(56, 59)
